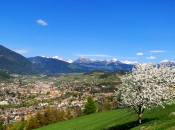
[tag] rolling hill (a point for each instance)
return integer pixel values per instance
(13, 62)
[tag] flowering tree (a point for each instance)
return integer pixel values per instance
(147, 86)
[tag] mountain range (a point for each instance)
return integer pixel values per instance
(105, 65)
(13, 62)
(54, 66)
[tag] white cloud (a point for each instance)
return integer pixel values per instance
(151, 57)
(139, 54)
(41, 22)
(157, 51)
(21, 51)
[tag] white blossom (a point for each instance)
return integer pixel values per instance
(147, 86)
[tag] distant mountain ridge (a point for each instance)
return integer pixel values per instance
(82, 63)
(105, 65)
(87, 60)
(54, 66)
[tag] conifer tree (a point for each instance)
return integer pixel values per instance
(90, 106)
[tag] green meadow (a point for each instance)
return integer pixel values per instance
(156, 119)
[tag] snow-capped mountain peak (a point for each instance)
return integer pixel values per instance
(58, 58)
(129, 62)
(45, 56)
(114, 60)
(166, 61)
(82, 60)
(108, 61)
(69, 61)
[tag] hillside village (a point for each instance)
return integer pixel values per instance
(23, 95)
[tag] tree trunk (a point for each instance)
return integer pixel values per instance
(140, 118)
(140, 112)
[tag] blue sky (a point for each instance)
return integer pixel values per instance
(134, 30)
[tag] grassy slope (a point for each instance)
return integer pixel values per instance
(159, 119)
(156, 119)
(90, 122)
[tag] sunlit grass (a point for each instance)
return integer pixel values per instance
(156, 119)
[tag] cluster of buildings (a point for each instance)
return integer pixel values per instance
(25, 95)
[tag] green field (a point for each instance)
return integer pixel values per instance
(156, 119)
(89, 122)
